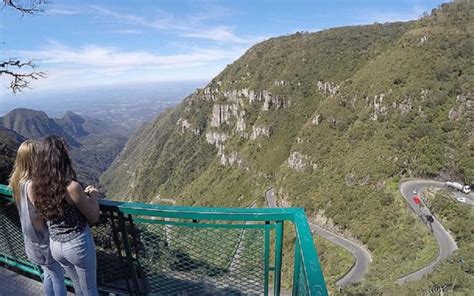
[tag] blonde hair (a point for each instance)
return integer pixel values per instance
(23, 167)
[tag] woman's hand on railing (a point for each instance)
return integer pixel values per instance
(93, 192)
(86, 203)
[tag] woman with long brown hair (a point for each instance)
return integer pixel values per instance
(34, 228)
(68, 209)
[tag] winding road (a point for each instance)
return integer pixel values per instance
(446, 242)
(360, 253)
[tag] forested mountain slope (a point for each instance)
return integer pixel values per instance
(9, 143)
(331, 119)
(93, 143)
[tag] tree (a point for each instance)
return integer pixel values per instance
(26, 7)
(14, 68)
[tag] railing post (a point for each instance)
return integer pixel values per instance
(143, 276)
(313, 275)
(128, 253)
(296, 268)
(266, 258)
(278, 255)
(109, 214)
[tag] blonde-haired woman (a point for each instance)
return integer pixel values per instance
(35, 230)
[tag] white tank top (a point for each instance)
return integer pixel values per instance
(35, 230)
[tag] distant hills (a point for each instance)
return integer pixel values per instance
(332, 120)
(94, 143)
(34, 124)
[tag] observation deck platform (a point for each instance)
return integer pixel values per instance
(170, 250)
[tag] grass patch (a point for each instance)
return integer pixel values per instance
(335, 261)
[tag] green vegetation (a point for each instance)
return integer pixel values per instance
(9, 143)
(349, 111)
(452, 277)
(335, 260)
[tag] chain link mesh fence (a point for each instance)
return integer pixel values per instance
(11, 237)
(189, 259)
(141, 254)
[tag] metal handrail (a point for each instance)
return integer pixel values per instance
(308, 278)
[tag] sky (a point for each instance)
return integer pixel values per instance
(89, 43)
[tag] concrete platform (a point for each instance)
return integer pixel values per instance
(12, 283)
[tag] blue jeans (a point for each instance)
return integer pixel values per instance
(53, 280)
(78, 258)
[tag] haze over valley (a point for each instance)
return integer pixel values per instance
(128, 105)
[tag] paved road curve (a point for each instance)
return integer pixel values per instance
(361, 254)
(446, 243)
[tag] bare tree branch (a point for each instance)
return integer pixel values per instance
(16, 63)
(31, 7)
(20, 81)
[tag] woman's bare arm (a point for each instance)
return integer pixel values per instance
(87, 204)
(30, 193)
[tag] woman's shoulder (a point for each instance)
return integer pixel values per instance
(24, 182)
(74, 185)
(75, 191)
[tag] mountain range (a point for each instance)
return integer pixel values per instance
(332, 120)
(93, 143)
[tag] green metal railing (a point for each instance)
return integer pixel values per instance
(168, 250)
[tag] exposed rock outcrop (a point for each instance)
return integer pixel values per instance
(216, 138)
(273, 102)
(299, 161)
(379, 109)
(220, 114)
(328, 88)
(316, 120)
(232, 158)
(258, 131)
(463, 105)
(184, 125)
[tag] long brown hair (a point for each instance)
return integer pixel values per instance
(23, 167)
(53, 174)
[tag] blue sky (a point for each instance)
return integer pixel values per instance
(87, 43)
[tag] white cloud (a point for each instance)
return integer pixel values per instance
(126, 31)
(94, 64)
(384, 16)
(189, 27)
(62, 11)
(129, 18)
(94, 55)
(219, 33)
